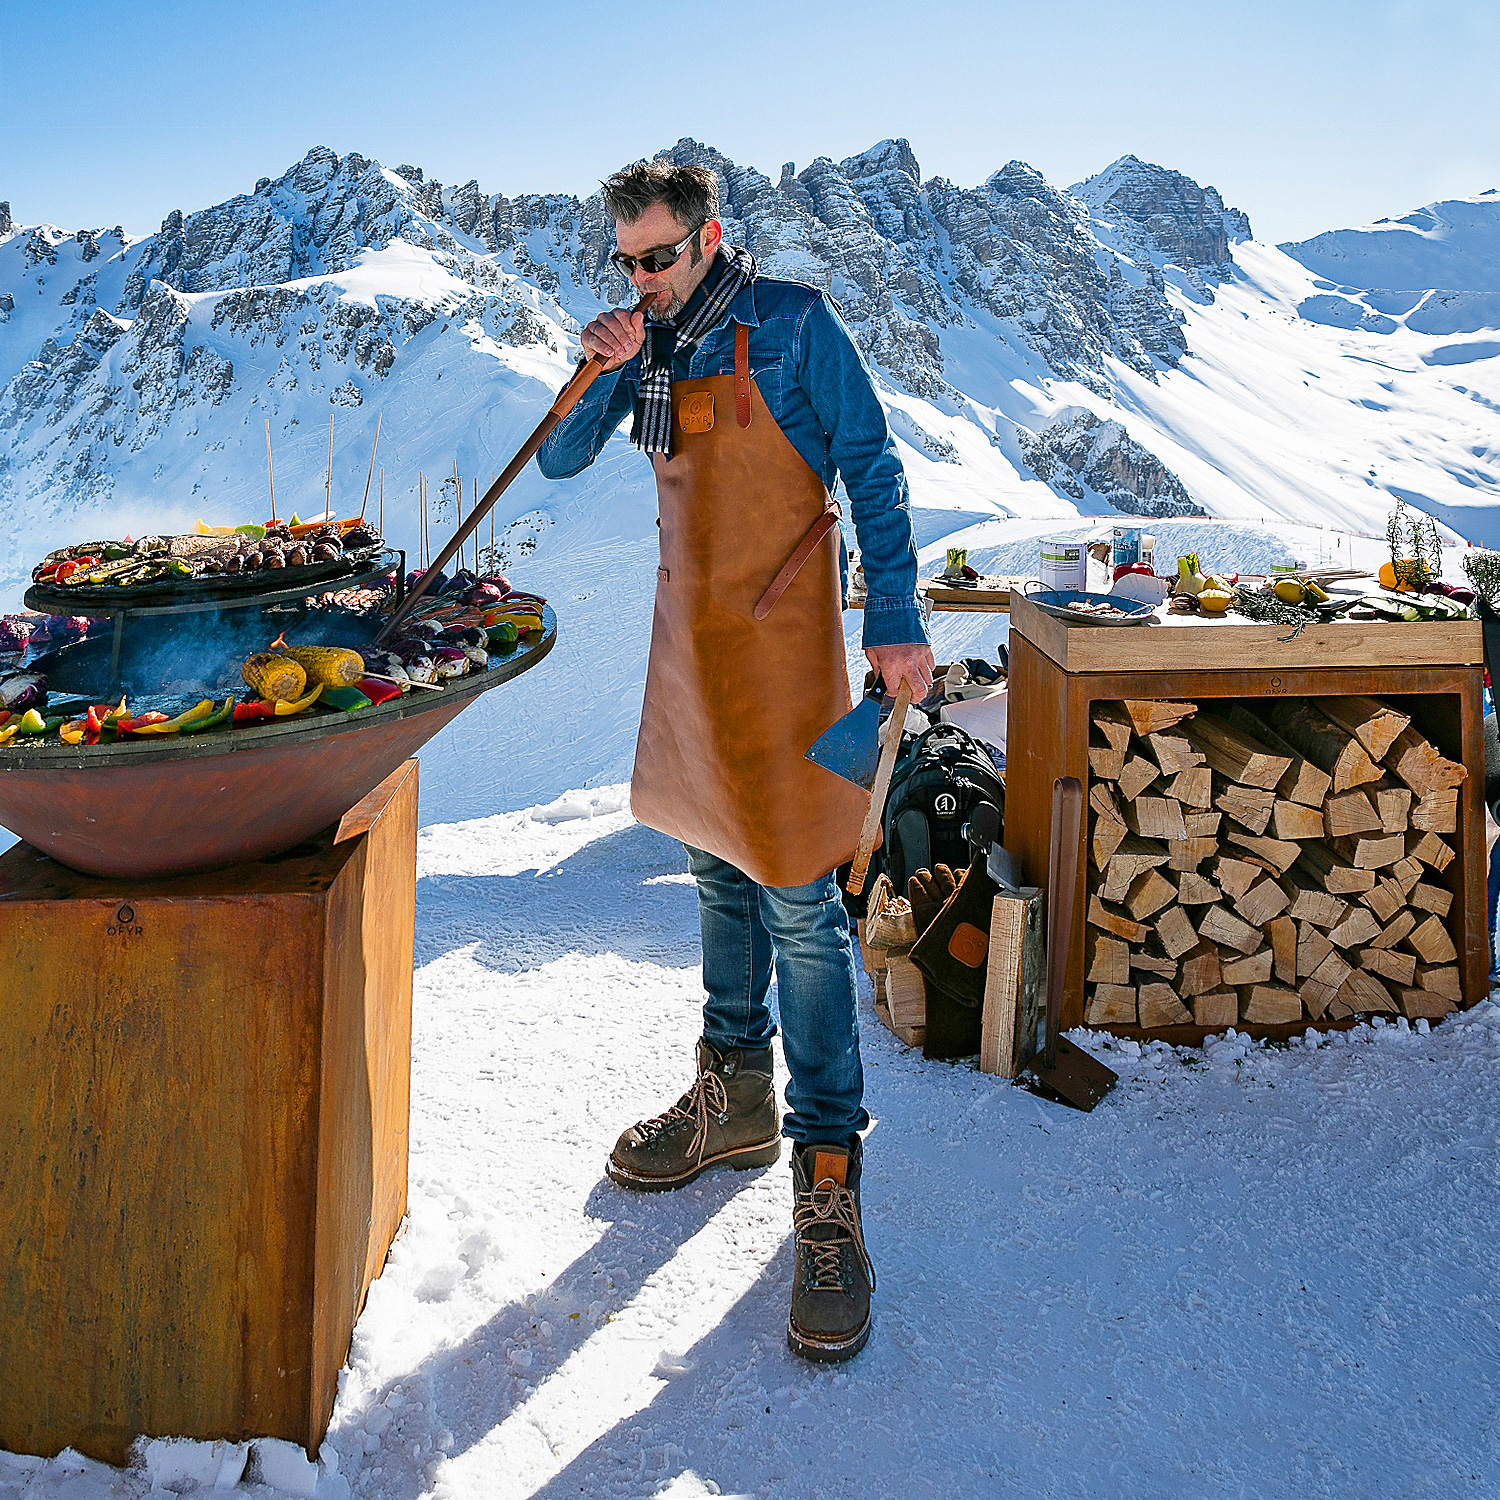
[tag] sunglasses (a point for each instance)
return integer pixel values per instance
(653, 262)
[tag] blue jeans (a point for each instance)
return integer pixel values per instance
(1492, 893)
(805, 929)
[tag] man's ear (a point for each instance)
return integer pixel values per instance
(713, 233)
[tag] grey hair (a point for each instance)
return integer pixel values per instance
(690, 193)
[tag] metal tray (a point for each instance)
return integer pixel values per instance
(1055, 602)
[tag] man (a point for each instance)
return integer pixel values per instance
(750, 397)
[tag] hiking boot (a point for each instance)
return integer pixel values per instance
(832, 1277)
(727, 1119)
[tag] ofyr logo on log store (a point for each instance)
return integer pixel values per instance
(124, 924)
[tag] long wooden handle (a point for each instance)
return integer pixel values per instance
(1062, 893)
(870, 830)
(567, 398)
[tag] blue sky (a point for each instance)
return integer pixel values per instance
(1307, 115)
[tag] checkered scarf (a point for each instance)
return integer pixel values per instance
(652, 432)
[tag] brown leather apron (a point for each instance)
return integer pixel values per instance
(747, 644)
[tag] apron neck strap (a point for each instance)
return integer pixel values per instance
(742, 374)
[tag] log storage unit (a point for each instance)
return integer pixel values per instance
(1282, 832)
(204, 1098)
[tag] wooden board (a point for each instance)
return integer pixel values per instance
(222, 1061)
(1013, 985)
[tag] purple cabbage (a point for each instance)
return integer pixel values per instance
(24, 690)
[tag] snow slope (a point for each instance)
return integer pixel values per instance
(1253, 1271)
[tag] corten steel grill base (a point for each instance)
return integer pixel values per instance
(168, 805)
(204, 1096)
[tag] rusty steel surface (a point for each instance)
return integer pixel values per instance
(175, 804)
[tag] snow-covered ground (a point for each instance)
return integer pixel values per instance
(1253, 1271)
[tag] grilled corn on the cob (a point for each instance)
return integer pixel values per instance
(328, 666)
(276, 677)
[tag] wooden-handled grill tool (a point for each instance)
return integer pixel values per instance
(567, 399)
(1062, 1071)
(819, 754)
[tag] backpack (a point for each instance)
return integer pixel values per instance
(942, 776)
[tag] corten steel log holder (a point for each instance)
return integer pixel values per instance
(1432, 671)
(204, 1099)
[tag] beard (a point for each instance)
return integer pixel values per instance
(669, 313)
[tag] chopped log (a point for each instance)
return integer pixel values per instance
(1202, 825)
(1314, 735)
(1291, 820)
(1370, 851)
(1137, 774)
(1189, 853)
(1221, 1008)
(1250, 807)
(1108, 959)
(1309, 903)
(1279, 854)
(1104, 802)
(1155, 818)
(1283, 934)
(1197, 890)
(1236, 875)
(1109, 834)
(1347, 813)
(1015, 983)
(1262, 901)
(1159, 1006)
(1149, 716)
(1193, 788)
(1303, 781)
(1441, 981)
(1312, 948)
(1256, 969)
(1175, 929)
(1316, 998)
(1376, 725)
(1421, 766)
(1115, 922)
(1174, 752)
(1113, 724)
(1385, 899)
(1151, 963)
(1386, 963)
(1201, 971)
(1338, 1010)
(1395, 930)
(1355, 930)
(1332, 874)
(1437, 812)
(1235, 754)
(1424, 1005)
(1407, 873)
(1333, 971)
(1111, 1005)
(1220, 925)
(1133, 858)
(905, 991)
(1430, 850)
(1431, 942)
(1271, 1005)
(1393, 804)
(1362, 991)
(1105, 761)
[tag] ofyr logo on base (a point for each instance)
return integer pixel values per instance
(124, 924)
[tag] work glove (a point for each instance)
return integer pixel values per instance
(928, 891)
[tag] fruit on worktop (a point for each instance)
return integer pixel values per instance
(1190, 579)
(1214, 601)
(330, 666)
(275, 676)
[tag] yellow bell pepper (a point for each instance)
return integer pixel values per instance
(172, 726)
(8, 733)
(283, 710)
(71, 733)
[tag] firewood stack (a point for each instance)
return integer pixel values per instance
(1267, 861)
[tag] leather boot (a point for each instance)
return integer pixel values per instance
(727, 1119)
(832, 1277)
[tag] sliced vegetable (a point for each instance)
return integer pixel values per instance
(378, 692)
(71, 733)
(9, 732)
(217, 719)
(252, 713)
(350, 699)
(284, 710)
(31, 722)
(173, 726)
(142, 721)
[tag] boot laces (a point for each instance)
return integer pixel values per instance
(832, 1205)
(707, 1099)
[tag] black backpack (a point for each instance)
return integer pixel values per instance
(943, 776)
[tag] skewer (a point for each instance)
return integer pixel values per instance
(476, 534)
(381, 523)
(458, 491)
(490, 562)
(431, 687)
(270, 473)
(371, 474)
(328, 489)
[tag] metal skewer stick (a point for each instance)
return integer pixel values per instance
(371, 474)
(270, 473)
(430, 687)
(380, 524)
(567, 399)
(328, 488)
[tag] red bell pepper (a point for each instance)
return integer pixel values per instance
(253, 713)
(140, 721)
(378, 692)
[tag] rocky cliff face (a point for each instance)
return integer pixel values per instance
(326, 281)
(1078, 449)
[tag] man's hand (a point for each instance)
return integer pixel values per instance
(615, 337)
(914, 663)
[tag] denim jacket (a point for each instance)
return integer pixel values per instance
(819, 389)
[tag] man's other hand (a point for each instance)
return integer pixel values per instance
(615, 337)
(914, 663)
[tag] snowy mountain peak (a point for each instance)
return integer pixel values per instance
(4, 219)
(1182, 221)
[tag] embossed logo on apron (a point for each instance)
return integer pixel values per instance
(695, 412)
